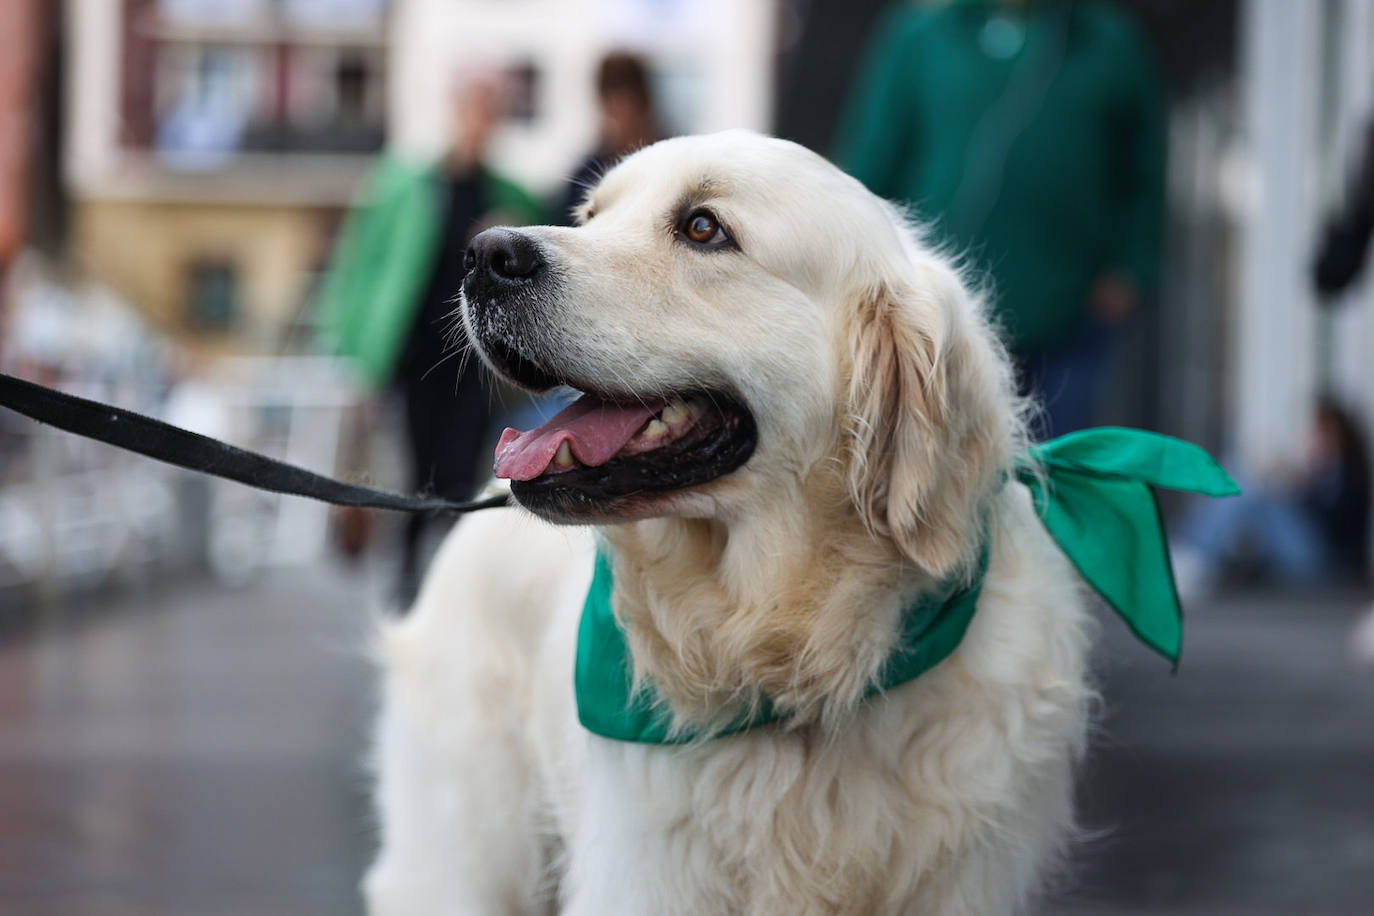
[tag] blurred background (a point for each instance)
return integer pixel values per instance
(242, 216)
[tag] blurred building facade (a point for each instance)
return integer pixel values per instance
(211, 145)
(19, 30)
(207, 144)
(711, 61)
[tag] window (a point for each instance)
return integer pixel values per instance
(213, 294)
(207, 80)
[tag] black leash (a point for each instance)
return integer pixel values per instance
(185, 449)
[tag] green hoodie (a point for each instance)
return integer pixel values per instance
(1031, 137)
(384, 256)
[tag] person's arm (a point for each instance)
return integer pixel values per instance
(345, 279)
(876, 135)
(384, 252)
(1139, 164)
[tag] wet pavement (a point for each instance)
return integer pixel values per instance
(193, 751)
(197, 750)
(1244, 786)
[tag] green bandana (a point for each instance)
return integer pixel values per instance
(1093, 490)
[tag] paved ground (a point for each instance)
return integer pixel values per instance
(1245, 785)
(196, 751)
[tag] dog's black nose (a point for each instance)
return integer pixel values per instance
(503, 255)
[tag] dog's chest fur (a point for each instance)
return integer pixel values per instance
(922, 795)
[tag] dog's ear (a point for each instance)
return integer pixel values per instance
(932, 416)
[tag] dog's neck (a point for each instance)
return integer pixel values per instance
(797, 603)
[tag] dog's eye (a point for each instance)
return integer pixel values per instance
(702, 228)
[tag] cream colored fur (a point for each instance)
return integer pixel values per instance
(887, 422)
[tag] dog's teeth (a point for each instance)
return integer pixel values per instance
(564, 457)
(675, 412)
(655, 429)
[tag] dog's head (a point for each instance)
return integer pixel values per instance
(740, 317)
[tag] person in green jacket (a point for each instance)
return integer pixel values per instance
(387, 300)
(1030, 134)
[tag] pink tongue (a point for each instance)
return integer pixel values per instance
(594, 430)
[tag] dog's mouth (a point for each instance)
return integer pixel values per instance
(608, 455)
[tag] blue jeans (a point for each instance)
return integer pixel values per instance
(1270, 525)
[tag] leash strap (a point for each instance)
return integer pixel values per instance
(185, 449)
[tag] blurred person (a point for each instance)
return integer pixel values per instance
(1292, 526)
(1030, 134)
(1345, 241)
(628, 122)
(1339, 262)
(388, 297)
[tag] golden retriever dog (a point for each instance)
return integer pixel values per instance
(795, 420)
